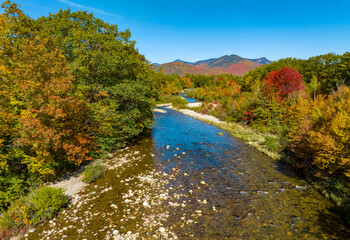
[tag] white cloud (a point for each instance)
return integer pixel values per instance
(96, 10)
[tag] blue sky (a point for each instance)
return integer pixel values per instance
(196, 30)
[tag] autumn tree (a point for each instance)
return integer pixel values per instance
(320, 133)
(45, 122)
(282, 83)
(105, 60)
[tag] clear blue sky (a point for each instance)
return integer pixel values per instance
(200, 29)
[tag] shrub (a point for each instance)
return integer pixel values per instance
(178, 101)
(46, 202)
(41, 204)
(11, 188)
(93, 171)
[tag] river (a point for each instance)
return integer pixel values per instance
(191, 180)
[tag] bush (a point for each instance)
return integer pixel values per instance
(178, 101)
(93, 171)
(41, 204)
(11, 188)
(47, 202)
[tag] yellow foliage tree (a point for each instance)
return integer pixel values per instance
(321, 133)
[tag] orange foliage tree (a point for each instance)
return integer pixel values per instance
(52, 116)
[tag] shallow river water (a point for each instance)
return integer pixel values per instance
(187, 181)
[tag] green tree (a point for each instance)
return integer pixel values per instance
(104, 60)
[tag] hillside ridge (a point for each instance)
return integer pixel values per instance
(227, 64)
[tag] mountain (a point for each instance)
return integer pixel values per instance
(262, 60)
(182, 68)
(232, 64)
(178, 60)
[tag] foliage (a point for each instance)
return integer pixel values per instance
(282, 83)
(105, 60)
(71, 88)
(11, 187)
(178, 101)
(93, 171)
(321, 137)
(41, 204)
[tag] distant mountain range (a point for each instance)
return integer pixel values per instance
(233, 64)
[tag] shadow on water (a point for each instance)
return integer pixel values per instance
(328, 218)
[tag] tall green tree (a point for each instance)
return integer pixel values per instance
(105, 60)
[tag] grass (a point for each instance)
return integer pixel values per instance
(93, 172)
(272, 143)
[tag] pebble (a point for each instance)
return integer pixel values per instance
(190, 221)
(162, 229)
(115, 232)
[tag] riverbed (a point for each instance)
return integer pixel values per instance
(191, 180)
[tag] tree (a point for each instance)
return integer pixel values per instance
(282, 83)
(105, 60)
(320, 136)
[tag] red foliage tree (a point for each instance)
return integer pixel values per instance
(282, 83)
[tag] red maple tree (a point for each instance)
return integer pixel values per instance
(282, 83)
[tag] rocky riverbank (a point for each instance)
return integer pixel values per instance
(131, 201)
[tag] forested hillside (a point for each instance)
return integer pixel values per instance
(228, 64)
